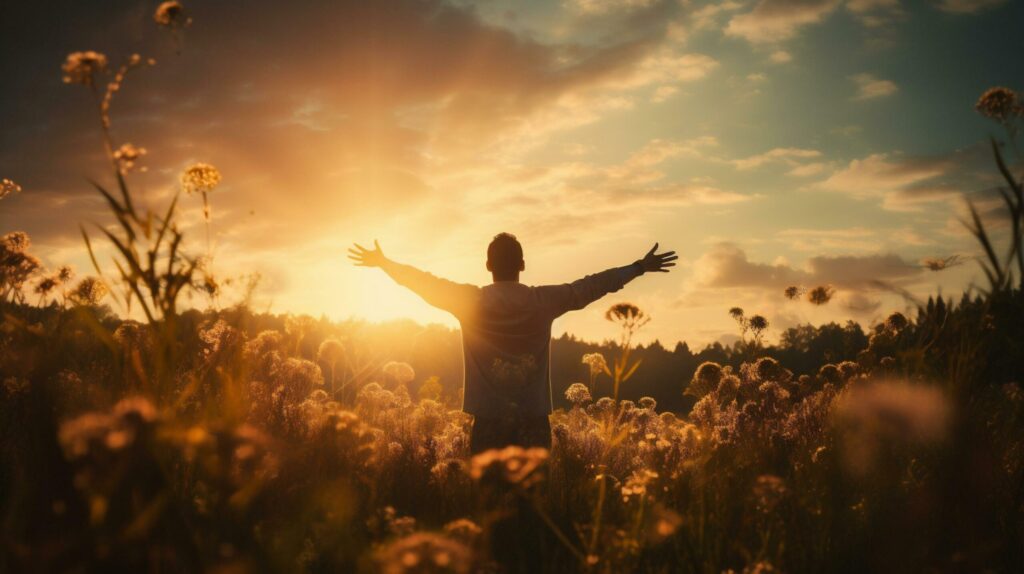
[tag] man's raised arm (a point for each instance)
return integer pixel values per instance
(582, 292)
(441, 293)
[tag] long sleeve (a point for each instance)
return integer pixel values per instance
(453, 297)
(559, 299)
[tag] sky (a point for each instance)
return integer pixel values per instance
(769, 142)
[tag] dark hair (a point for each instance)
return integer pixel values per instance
(505, 254)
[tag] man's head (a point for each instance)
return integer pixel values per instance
(505, 257)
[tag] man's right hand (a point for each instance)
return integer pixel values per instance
(364, 257)
(658, 262)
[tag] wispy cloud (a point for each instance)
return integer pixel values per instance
(870, 88)
(778, 20)
(968, 6)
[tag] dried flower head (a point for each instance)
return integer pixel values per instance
(398, 371)
(510, 465)
(127, 155)
(596, 362)
(876, 417)
(768, 491)
(705, 379)
(200, 178)
(82, 67)
(896, 322)
(464, 530)
(578, 394)
(999, 104)
(89, 292)
(172, 15)
(758, 323)
(8, 187)
(941, 263)
(821, 294)
(792, 292)
(424, 552)
(331, 351)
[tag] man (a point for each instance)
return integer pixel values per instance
(506, 334)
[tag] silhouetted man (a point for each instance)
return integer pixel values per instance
(506, 334)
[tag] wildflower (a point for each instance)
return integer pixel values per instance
(16, 264)
(424, 552)
(647, 403)
(821, 294)
(171, 14)
(896, 322)
(792, 292)
(596, 362)
(848, 369)
(45, 286)
(829, 373)
(200, 178)
(463, 530)
(219, 336)
(511, 465)
(82, 67)
(8, 187)
(623, 312)
(874, 418)
(705, 379)
(331, 351)
(757, 325)
(941, 263)
(578, 394)
(662, 523)
(89, 292)
(127, 155)
(637, 483)
(736, 313)
(999, 104)
(768, 492)
(400, 372)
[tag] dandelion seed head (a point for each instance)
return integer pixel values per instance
(999, 104)
(399, 371)
(8, 187)
(896, 322)
(596, 362)
(200, 178)
(171, 14)
(821, 294)
(127, 156)
(626, 313)
(82, 67)
(578, 394)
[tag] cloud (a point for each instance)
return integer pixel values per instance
(870, 87)
(968, 6)
(778, 20)
(875, 13)
(726, 265)
(906, 183)
(663, 93)
(607, 6)
(788, 156)
(781, 57)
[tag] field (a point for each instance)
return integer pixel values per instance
(214, 437)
